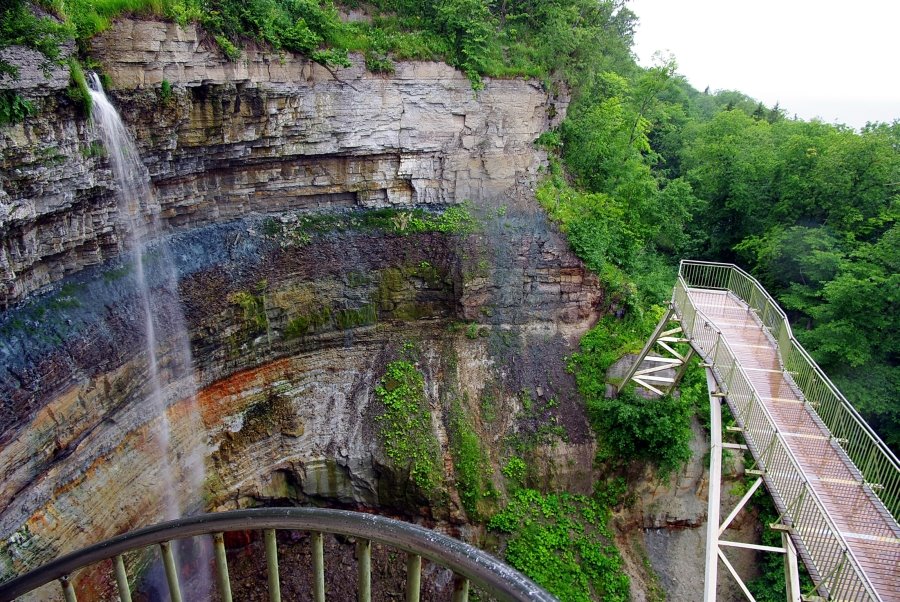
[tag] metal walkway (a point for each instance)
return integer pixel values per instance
(834, 482)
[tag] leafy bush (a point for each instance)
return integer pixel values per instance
(165, 90)
(563, 543)
(630, 427)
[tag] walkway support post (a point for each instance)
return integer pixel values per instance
(715, 491)
(791, 570)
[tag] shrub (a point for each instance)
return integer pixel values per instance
(630, 427)
(562, 542)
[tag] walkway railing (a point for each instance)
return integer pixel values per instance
(877, 464)
(468, 563)
(827, 555)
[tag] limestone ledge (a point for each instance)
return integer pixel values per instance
(263, 134)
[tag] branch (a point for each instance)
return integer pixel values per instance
(336, 78)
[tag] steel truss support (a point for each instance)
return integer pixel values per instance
(714, 530)
(662, 340)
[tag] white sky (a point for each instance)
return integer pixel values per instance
(834, 60)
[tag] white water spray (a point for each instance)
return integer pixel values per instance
(134, 191)
(169, 368)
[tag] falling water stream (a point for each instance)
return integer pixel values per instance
(167, 346)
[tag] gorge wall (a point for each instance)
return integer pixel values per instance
(291, 326)
(267, 173)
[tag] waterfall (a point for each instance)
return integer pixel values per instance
(167, 345)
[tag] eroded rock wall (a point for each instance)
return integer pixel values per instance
(289, 336)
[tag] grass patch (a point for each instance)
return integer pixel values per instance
(78, 89)
(300, 228)
(352, 318)
(307, 323)
(253, 307)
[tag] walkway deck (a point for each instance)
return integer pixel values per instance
(860, 517)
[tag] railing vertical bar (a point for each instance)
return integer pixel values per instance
(68, 590)
(122, 579)
(364, 569)
(318, 553)
(171, 572)
(413, 577)
(272, 565)
(460, 589)
(222, 567)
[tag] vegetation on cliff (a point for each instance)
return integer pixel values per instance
(404, 427)
(480, 38)
(562, 542)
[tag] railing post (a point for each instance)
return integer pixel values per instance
(318, 552)
(122, 579)
(222, 567)
(460, 589)
(364, 569)
(272, 565)
(171, 572)
(413, 577)
(68, 590)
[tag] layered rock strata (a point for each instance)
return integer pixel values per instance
(290, 333)
(266, 133)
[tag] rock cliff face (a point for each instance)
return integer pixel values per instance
(290, 329)
(265, 134)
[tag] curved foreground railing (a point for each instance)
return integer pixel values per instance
(467, 562)
(831, 563)
(878, 465)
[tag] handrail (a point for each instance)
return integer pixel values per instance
(875, 461)
(497, 578)
(801, 506)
